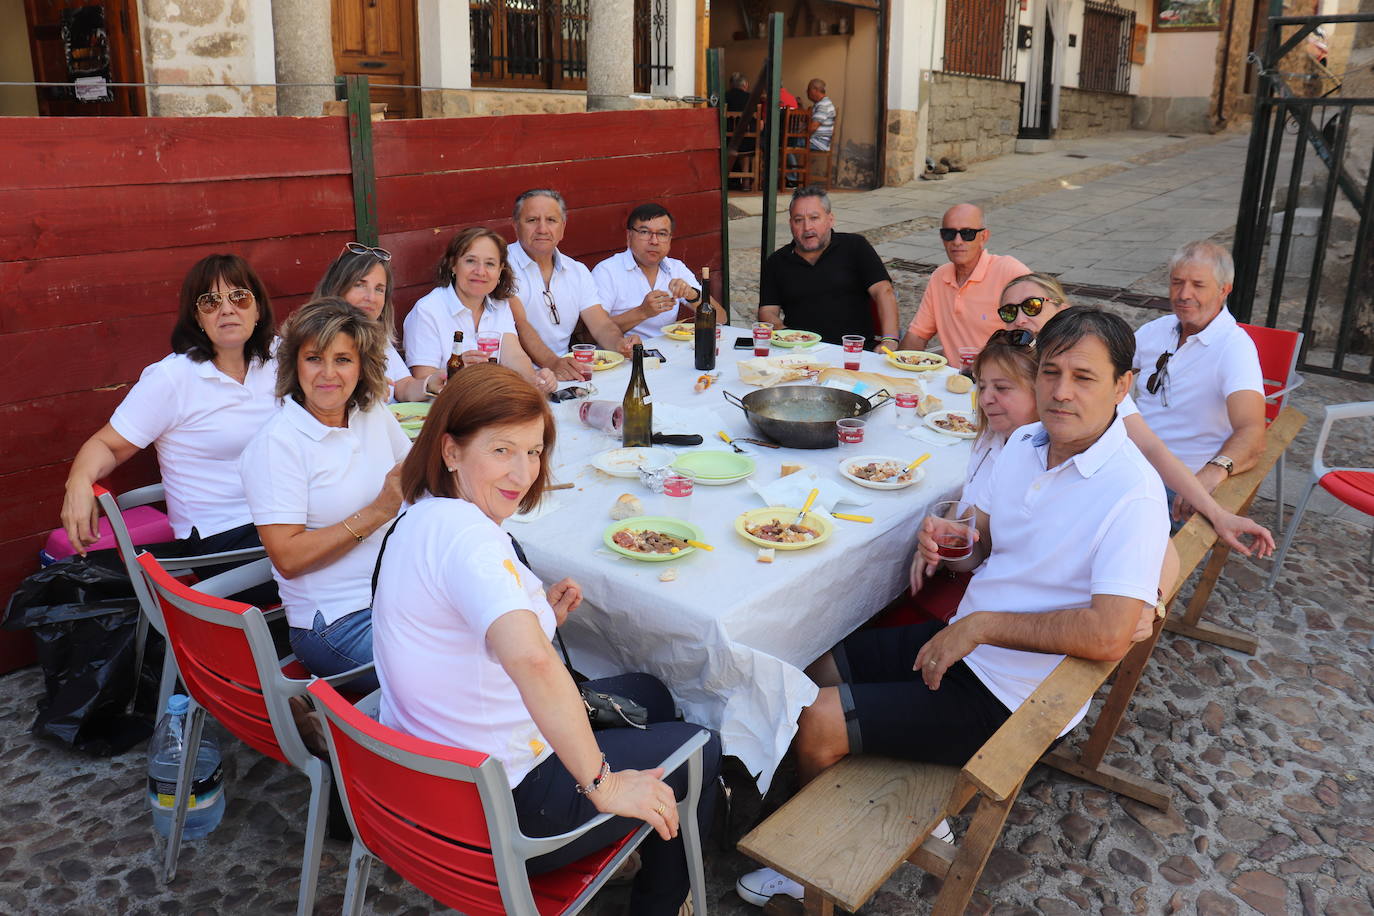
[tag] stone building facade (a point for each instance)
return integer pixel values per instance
(972, 118)
(1083, 112)
(205, 42)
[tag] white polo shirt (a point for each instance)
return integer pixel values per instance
(1189, 410)
(297, 471)
(430, 325)
(396, 368)
(447, 575)
(980, 463)
(200, 419)
(573, 290)
(623, 286)
(1095, 525)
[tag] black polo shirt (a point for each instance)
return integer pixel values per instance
(829, 297)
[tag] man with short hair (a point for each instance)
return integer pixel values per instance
(643, 288)
(554, 289)
(822, 126)
(825, 281)
(960, 302)
(1074, 530)
(1198, 381)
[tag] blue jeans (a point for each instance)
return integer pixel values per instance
(337, 647)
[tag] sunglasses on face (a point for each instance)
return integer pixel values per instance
(1160, 375)
(380, 254)
(1013, 337)
(968, 235)
(238, 298)
(1032, 307)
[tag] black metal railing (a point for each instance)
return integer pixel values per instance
(980, 38)
(1105, 65)
(651, 44)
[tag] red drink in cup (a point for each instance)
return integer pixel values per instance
(489, 344)
(763, 338)
(954, 521)
(585, 354)
(954, 546)
(853, 350)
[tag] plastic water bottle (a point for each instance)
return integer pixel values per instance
(205, 806)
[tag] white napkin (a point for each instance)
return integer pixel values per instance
(931, 437)
(670, 418)
(793, 489)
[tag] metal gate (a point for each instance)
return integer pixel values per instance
(1303, 248)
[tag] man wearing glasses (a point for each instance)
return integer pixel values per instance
(1199, 384)
(555, 290)
(960, 302)
(643, 288)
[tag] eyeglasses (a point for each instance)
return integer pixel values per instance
(380, 254)
(1160, 376)
(238, 298)
(1013, 337)
(1032, 307)
(553, 307)
(968, 235)
(658, 235)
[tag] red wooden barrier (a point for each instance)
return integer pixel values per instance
(101, 218)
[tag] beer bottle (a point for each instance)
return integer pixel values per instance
(705, 326)
(638, 406)
(455, 360)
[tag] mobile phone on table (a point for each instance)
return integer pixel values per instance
(744, 343)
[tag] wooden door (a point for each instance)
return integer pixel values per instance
(376, 38)
(91, 45)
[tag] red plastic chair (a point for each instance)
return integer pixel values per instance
(1278, 356)
(231, 670)
(1352, 486)
(443, 819)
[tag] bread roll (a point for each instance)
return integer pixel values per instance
(627, 506)
(959, 384)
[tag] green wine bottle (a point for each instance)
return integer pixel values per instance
(638, 406)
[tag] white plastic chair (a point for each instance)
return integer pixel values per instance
(1351, 485)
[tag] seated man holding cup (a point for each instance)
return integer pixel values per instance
(1074, 529)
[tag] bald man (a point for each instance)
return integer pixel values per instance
(960, 302)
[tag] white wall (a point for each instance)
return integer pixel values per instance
(682, 50)
(445, 44)
(1179, 65)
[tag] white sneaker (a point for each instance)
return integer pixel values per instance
(758, 887)
(943, 831)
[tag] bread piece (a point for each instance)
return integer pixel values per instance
(668, 575)
(627, 506)
(929, 404)
(765, 555)
(790, 467)
(959, 384)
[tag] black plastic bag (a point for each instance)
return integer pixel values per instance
(83, 615)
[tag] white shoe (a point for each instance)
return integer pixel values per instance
(943, 831)
(758, 887)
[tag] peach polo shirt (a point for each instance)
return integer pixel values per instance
(965, 316)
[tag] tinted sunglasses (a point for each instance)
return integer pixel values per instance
(967, 235)
(1160, 375)
(380, 254)
(210, 302)
(1032, 307)
(1013, 337)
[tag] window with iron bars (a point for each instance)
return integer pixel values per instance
(1105, 65)
(542, 44)
(980, 38)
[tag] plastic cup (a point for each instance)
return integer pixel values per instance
(906, 410)
(849, 431)
(607, 416)
(677, 495)
(954, 521)
(763, 338)
(967, 356)
(585, 354)
(853, 350)
(490, 344)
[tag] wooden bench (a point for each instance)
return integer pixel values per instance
(847, 831)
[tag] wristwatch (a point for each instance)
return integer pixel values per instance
(696, 297)
(1226, 464)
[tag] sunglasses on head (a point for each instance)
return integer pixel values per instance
(1013, 337)
(968, 235)
(380, 254)
(210, 302)
(1032, 307)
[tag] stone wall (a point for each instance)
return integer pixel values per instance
(473, 103)
(204, 41)
(900, 166)
(1083, 112)
(972, 117)
(1172, 115)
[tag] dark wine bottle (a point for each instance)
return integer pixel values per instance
(705, 326)
(638, 406)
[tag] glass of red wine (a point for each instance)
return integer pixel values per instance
(954, 522)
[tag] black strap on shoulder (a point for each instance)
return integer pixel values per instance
(377, 567)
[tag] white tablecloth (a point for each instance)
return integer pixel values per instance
(731, 636)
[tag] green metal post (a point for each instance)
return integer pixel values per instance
(715, 82)
(360, 151)
(769, 142)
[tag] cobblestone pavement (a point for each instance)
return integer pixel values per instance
(1269, 757)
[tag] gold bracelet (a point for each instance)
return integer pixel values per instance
(349, 528)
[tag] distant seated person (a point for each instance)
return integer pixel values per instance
(826, 281)
(1199, 383)
(822, 126)
(786, 100)
(323, 479)
(1074, 530)
(960, 302)
(554, 291)
(643, 288)
(475, 295)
